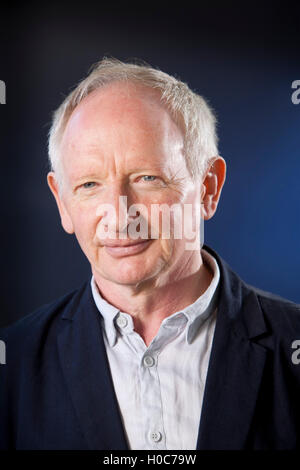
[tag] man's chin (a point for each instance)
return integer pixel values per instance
(132, 279)
(130, 274)
(130, 270)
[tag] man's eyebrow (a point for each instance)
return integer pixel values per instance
(141, 170)
(129, 172)
(84, 176)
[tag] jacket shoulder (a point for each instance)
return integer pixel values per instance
(36, 321)
(282, 314)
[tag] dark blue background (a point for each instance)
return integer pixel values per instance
(242, 58)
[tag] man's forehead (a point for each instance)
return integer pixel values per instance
(119, 98)
(133, 109)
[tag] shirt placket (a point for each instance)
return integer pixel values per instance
(154, 432)
(148, 371)
(151, 398)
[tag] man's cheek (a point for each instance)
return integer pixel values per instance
(166, 249)
(84, 230)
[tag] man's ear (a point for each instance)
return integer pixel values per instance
(66, 220)
(212, 186)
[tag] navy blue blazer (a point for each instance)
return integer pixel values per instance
(57, 391)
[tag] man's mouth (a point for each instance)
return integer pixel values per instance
(121, 248)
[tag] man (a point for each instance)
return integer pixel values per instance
(165, 347)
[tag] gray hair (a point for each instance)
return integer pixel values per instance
(189, 110)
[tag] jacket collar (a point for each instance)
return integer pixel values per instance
(87, 374)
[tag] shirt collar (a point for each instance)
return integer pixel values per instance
(196, 313)
(108, 312)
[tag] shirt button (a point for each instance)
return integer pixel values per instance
(156, 436)
(149, 361)
(122, 321)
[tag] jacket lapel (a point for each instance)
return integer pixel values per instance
(235, 368)
(86, 370)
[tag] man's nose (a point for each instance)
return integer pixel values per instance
(114, 208)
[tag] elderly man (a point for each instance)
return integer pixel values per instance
(165, 347)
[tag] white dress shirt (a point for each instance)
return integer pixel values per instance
(160, 388)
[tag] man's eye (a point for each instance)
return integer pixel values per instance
(88, 185)
(157, 181)
(149, 178)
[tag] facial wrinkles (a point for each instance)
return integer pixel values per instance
(113, 145)
(111, 130)
(114, 165)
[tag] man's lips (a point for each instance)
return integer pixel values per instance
(121, 243)
(119, 248)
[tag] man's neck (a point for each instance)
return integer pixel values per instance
(152, 303)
